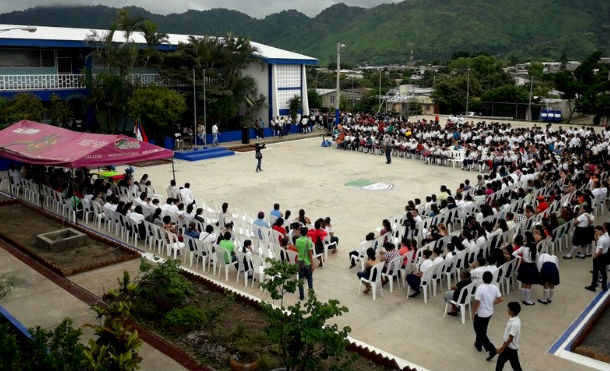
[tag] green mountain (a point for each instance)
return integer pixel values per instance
(434, 29)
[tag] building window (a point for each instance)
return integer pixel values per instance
(14, 57)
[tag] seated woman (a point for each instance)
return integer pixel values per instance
(329, 230)
(454, 292)
(371, 260)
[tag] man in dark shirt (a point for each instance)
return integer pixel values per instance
(454, 293)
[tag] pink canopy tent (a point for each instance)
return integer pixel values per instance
(42, 144)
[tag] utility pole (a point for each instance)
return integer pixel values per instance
(467, 90)
(530, 104)
(194, 110)
(205, 122)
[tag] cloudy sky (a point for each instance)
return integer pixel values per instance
(255, 8)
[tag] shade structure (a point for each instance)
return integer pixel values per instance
(42, 144)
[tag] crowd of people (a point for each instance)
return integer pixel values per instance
(537, 180)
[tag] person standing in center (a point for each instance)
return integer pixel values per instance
(485, 297)
(305, 256)
(215, 135)
(388, 145)
(258, 155)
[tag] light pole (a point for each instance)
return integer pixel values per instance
(26, 28)
(337, 118)
(529, 109)
(467, 89)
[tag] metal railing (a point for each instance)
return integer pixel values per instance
(67, 81)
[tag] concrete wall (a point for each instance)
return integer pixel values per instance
(260, 74)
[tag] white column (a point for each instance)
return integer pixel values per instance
(304, 99)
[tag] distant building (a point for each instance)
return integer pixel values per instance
(328, 96)
(51, 61)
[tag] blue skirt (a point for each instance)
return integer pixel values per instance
(549, 274)
(528, 273)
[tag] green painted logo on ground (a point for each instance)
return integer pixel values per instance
(369, 186)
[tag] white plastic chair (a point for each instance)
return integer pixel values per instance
(244, 265)
(424, 284)
(463, 301)
(173, 244)
(375, 272)
(220, 260)
(393, 270)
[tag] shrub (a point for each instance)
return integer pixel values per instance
(164, 281)
(186, 319)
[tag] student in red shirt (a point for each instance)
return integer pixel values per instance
(317, 237)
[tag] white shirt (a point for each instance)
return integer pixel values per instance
(187, 195)
(513, 327)
(208, 237)
(214, 129)
(544, 258)
(527, 254)
(425, 265)
(486, 294)
(603, 243)
(583, 221)
(138, 218)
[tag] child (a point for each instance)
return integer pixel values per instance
(509, 351)
(548, 265)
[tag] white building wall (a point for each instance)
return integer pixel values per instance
(260, 73)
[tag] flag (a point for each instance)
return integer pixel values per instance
(138, 131)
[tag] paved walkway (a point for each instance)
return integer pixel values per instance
(36, 301)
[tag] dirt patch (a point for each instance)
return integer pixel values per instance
(20, 225)
(237, 327)
(596, 343)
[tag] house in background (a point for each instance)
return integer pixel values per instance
(51, 60)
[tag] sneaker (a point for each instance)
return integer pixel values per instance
(452, 313)
(542, 301)
(588, 255)
(567, 257)
(527, 302)
(590, 288)
(414, 294)
(580, 256)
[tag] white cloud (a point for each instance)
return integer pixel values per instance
(255, 8)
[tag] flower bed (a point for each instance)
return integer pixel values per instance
(20, 223)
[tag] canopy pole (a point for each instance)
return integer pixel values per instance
(72, 203)
(173, 170)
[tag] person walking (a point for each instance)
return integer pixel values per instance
(509, 351)
(215, 134)
(485, 297)
(258, 155)
(600, 258)
(388, 145)
(304, 248)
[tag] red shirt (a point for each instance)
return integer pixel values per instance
(315, 234)
(542, 205)
(282, 231)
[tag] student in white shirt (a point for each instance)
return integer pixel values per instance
(548, 265)
(509, 351)
(485, 297)
(600, 258)
(414, 279)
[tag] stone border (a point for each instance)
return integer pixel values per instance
(132, 254)
(361, 350)
(586, 330)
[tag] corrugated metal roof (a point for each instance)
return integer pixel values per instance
(75, 35)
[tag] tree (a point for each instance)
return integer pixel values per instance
(313, 98)
(116, 346)
(158, 108)
(24, 106)
(302, 332)
(294, 104)
(59, 111)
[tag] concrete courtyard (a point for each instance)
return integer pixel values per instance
(301, 174)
